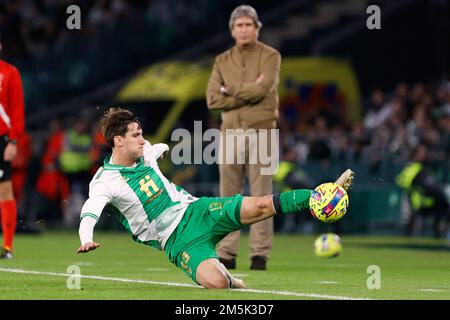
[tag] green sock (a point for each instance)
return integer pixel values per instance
(294, 201)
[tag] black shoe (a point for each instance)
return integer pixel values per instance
(229, 264)
(5, 254)
(258, 263)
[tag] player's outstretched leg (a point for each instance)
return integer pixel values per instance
(211, 274)
(255, 209)
(346, 179)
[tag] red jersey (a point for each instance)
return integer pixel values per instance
(11, 101)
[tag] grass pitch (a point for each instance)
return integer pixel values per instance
(410, 268)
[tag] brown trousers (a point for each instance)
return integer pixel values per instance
(232, 182)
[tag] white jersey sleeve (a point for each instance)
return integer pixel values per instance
(154, 152)
(86, 230)
(99, 196)
(160, 149)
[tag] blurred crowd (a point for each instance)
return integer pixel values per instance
(31, 28)
(403, 140)
(394, 122)
(117, 37)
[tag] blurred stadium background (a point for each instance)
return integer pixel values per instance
(349, 96)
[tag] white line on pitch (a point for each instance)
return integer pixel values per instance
(433, 290)
(157, 269)
(175, 284)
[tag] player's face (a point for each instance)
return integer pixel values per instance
(134, 141)
(244, 31)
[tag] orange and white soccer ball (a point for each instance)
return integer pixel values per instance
(328, 202)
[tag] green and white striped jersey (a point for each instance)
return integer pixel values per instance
(147, 204)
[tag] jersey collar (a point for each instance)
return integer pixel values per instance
(109, 166)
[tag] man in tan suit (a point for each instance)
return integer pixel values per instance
(243, 85)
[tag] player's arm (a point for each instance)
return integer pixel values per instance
(268, 79)
(16, 99)
(86, 232)
(154, 152)
(160, 150)
(216, 97)
(99, 196)
(16, 114)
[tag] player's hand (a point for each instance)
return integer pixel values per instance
(163, 154)
(260, 78)
(89, 246)
(10, 152)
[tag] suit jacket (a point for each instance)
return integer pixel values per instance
(248, 104)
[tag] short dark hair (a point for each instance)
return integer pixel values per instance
(115, 122)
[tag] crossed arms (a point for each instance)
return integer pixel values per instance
(222, 95)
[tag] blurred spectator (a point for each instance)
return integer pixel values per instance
(101, 14)
(426, 195)
(291, 176)
(51, 192)
(401, 91)
(100, 148)
(54, 144)
(376, 102)
(76, 162)
(358, 140)
(39, 31)
(379, 113)
(75, 158)
(20, 165)
(444, 133)
(52, 195)
(443, 99)
(417, 93)
(319, 140)
(20, 178)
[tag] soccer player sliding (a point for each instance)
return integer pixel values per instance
(162, 215)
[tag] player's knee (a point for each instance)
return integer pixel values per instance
(215, 282)
(211, 276)
(219, 283)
